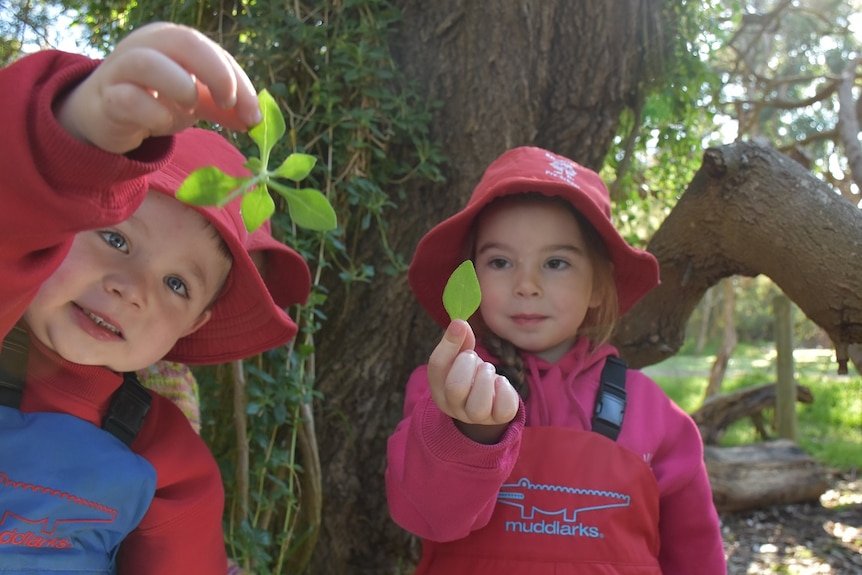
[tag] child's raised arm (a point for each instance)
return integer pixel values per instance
(468, 389)
(160, 79)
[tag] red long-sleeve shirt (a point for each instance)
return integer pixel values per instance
(51, 187)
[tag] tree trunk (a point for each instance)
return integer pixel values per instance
(703, 332)
(728, 342)
(555, 74)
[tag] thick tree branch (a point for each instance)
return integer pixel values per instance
(751, 210)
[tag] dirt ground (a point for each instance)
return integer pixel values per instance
(800, 539)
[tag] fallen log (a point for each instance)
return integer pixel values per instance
(719, 411)
(769, 473)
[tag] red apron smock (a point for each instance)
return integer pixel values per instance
(575, 503)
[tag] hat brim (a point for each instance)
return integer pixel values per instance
(287, 275)
(444, 247)
(245, 319)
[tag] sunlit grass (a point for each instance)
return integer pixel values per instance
(830, 429)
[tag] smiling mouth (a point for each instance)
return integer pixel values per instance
(102, 323)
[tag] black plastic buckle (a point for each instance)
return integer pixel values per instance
(610, 405)
(129, 406)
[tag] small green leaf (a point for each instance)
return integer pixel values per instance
(296, 167)
(254, 165)
(207, 186)
(462, 294)
(308, 208)
(271, 128)
(257, 206)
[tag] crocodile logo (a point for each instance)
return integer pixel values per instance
(28, 507)
(543, 511)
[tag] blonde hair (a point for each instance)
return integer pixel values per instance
(598, 325)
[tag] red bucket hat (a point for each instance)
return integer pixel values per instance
(517, 171)
(285, 285)
(245, 320)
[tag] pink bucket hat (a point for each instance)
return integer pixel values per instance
(245, 320)
(285, 284)
(522, 170)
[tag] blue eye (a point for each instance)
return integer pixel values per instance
(115, 240)
(177, 285)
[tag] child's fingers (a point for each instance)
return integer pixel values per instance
(214, 85)
(479, 403)
(247, 107)
(459, 382)
(224, 92)
(506, 401)
(240, 117)
(458, 337)
(131, 105)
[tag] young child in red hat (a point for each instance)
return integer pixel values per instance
(104, 273)
(526, 445)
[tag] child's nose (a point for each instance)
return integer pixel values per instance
(130, 287)
(528, 284)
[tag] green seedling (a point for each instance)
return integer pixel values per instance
(308, 208)
(462, 294)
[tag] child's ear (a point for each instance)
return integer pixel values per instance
(198, 323)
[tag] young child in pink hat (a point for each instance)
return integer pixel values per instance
(105, 273)
(526, 445)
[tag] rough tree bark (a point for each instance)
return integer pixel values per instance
(555, 74)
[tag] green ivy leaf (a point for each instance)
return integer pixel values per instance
(207, 186)
(308, 207)
(462, 294)
(296, 167)
(271, 128)
(257, 206)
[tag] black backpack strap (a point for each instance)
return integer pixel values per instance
(129, 404)
(129, 407)
(611, 399)
(13, 366)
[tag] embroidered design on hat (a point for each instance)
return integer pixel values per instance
(561, 169)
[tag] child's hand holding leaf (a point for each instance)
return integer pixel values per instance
(462, 384)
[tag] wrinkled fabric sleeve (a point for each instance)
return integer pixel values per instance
(441, 485)
(182, 530)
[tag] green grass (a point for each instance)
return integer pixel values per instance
(830, 429)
